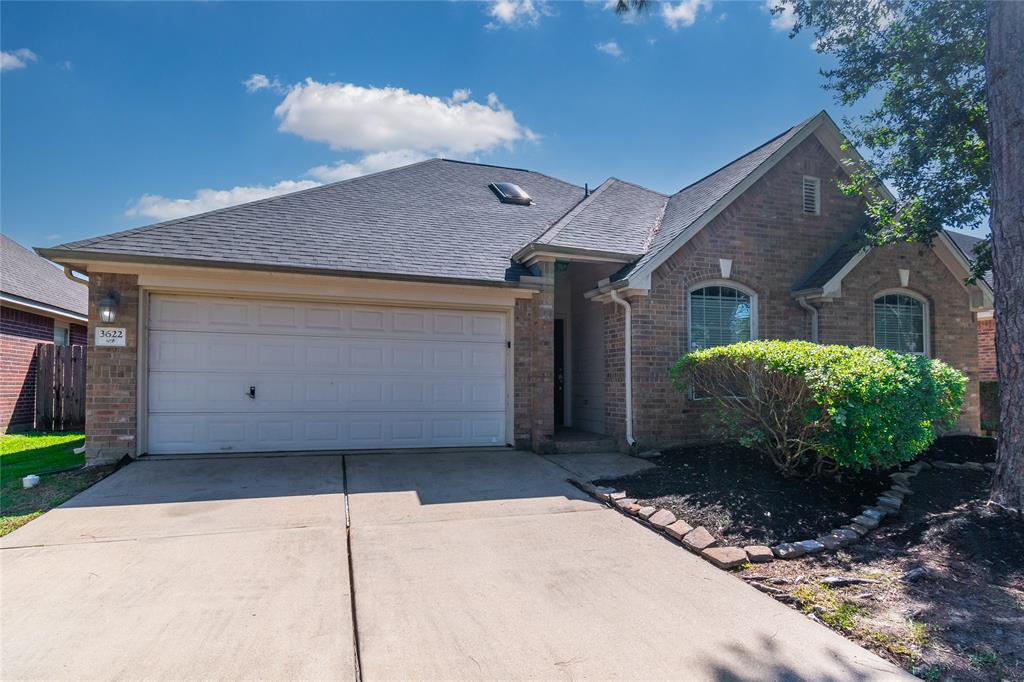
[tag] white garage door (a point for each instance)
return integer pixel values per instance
(234, 375)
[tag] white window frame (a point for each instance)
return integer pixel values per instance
(926, 321)
(817, 195)
(692, 393)
(720, 283)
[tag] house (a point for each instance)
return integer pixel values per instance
(38, 304)
(988, 381)
(448, 303)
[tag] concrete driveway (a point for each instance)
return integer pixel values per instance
(465, 565)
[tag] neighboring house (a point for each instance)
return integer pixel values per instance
(38, 304)
(438, 305)
(987, 378)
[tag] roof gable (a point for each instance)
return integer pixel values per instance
(617, 217)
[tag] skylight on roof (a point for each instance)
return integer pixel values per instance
(511, 193)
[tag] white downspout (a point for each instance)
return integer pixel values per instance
(629, 363)
(802, 300)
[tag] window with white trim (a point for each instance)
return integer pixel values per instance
(901, 323)
(812, 195)
(719, 315)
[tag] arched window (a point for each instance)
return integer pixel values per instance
(721, 314)
(901, 323)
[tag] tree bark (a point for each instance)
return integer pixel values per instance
(1004, 59)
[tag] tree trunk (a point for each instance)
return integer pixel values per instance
(1004, 60)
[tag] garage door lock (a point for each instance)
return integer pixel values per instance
(252, 392)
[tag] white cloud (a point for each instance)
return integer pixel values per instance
(258, 81)
(163, 208)
(683, 13)
(784, 20)
(17, 59)
(611, 48)
(371, 163)
(460, 95)
(516, 13)
(369, 119)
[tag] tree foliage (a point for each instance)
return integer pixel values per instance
(924, 63)
(823, 409)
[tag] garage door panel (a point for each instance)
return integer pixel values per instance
(171, 392)
(182, 351)
(325, 376)
(185, 434)
(312, 319)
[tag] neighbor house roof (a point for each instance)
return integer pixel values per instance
(436, 219)
(26, 278)
(966, 244)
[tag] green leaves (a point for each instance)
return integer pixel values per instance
(923, 63)
(857, 407)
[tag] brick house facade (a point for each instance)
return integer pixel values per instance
(771, 244)
(36, 299)
(772, 225)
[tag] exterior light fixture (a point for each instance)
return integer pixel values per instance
(108, 307)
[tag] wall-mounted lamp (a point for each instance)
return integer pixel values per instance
(108, 307)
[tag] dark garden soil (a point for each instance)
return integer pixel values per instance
(961, 618)
(742, 499)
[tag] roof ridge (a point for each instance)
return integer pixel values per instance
(556, 227)
(638, 186)
(513, 168)
(743, 156)
(204, 214)
(655, 227)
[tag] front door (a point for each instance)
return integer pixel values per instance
(559, 373)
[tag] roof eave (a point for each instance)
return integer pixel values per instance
(534, 252)
(38, 306)
(77, 259)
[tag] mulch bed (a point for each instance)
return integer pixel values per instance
(964, 620)
(742, 499)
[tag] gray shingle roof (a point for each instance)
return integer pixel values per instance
(617, 217)
(26, 275)
(686, 206)
(966, 244)
(435, 219)
(833, 263)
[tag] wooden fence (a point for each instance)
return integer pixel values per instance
(60, 387)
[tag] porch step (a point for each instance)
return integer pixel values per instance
(574, 442)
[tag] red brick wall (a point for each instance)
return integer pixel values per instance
(772, 245)
(20, 332)
(987, 350)
(534, 370)
(79, 334)
(850, 319)
(110, 383)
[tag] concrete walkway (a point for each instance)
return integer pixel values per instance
(465, 565)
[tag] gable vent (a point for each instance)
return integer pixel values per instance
(511, 193)
(812, 195)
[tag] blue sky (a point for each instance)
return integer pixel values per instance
(120, 114)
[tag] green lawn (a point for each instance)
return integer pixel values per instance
(61, 472)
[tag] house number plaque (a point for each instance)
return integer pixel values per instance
(110, 336)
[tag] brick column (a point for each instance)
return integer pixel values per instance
(111, 381)
(542, 347)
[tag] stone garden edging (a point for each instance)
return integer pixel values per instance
(699, 541)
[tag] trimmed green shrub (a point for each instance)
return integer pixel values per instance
(825, 408)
